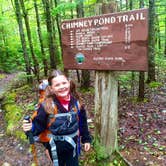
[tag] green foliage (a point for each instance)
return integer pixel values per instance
(124, 80)
(114, 160)
(63, 7)
(21, 135)
(9, 41)
(23, 89)
(89, 2)
(87, 90)
(97, 155)
(90, 158)
(100, 150)
(161, 65)
(22, 79)
(155, 85)
(2, 76)
(10, 98)
(13, 115)
(135, 100)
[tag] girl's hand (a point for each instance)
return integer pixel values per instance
(86, 147)
(27, 126)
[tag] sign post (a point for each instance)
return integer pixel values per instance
(106, 43)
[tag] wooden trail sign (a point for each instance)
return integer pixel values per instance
(115, 41)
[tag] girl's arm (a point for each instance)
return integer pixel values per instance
(39, 123)
(83, 126)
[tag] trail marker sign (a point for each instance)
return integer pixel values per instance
(115, 41)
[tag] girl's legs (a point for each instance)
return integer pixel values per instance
(68, 160)
(72, 161)
(65, 154)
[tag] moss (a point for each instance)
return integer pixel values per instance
(24, 88)
(87, 90)
(13, 116)
(10, 98)
(136, 100)
(12, 112)
(10, 128)
(21, 135)
(2, 76)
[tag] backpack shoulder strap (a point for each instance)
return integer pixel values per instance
(51, 117)
(77, 106)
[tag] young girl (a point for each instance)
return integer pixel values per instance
(61, 116)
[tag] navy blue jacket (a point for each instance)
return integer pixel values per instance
(41, 120)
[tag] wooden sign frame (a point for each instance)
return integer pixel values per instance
(115, 41)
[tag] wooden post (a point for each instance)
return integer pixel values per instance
(106, 109)
(106, 104)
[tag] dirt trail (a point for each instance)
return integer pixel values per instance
(12, 151)
(5, 82)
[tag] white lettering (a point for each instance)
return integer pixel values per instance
(142, 16)
(90, 22)
(85, 23)
(125, 18)
(132, 18)
(119, 18)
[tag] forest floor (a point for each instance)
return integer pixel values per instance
(141, 134)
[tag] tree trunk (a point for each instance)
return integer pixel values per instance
(85, 79)
(85, 76)
(158, 38)
(106, 105)
(126, 4)
(53, 22)
(132, 84)
(23, 41)
(141, 4)
(131, 4)
(165, 39)
(132, 73)
(72, 12)
(141, 74)
(51, 42)
(121, 6)
(141, 86)
(58, 26)
(57, 20)
(151, 59)
(44, 60)
(26, 19)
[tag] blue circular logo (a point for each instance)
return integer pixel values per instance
(80, 58)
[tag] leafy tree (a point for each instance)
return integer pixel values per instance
(51, 42)
(23, 41)
(26, 19)
(44, 60)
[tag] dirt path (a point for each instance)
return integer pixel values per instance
(12, 151)
(4, 83)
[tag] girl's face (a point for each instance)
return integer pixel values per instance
(60, 86)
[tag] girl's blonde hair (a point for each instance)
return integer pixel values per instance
(49, 95)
